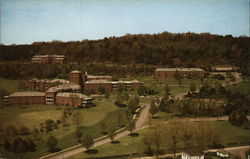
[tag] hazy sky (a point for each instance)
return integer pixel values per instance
(26, 21)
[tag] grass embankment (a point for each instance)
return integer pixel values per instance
(9, 85)
(32, 115)
(129, 145)
(242, 87)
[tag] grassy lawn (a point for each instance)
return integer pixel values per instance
(242, 87)
(129, 145)
(174, 84)
(9, 85)
(32, 115)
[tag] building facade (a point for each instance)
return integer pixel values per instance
(24, 98)
(48, 59)
(170, 73)
(94, 85)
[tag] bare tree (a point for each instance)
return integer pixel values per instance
(77, 118)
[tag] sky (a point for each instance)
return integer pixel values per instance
(28, 21)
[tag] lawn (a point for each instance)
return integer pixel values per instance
(174, 84)
(242, 87)
(129, 145)
(32, 115)
(9, 85)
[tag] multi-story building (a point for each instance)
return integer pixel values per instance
(93, 85)
(169, 73)
(224, 68)
(24, 98)
(49, 59)
(73, 99)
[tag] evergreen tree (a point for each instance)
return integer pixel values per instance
(51, 143)
(153, 109)
(87, 141)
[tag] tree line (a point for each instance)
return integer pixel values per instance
(164, 49)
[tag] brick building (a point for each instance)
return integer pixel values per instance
(224, 68)
(93, 85)
(76, 77)
(49, 59)
(24, 98)
(169, 73)
(73, 99)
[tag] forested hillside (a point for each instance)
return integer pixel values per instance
(165, 49)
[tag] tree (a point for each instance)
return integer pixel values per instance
(3, 93)
(107, 94)
(77, 118)
(132, 105)
(7, 145)
(24, 130)
(111, 133)
(237, 118)
(51, 143)
(49, 124)
(87, 141)
(177, 75)
(131, 126)
(173, 133)
(142, 91)
(103, 127)
(167, 91)
(78, 134)
(164, 105)
(153, 109)
(192, 87)
(18, 146)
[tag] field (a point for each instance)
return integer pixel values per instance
(9, 85)
(32, 115)
(174, 85)
(242, 87)
(129, 145)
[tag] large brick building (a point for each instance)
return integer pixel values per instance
(24, 98)
(93, 85)
(224, 68)
(49, 59)
(65, 98)
(169, 73)
(92, 77)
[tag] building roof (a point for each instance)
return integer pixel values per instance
(99, 81)
(92, 76)
(25, 94)
(67, 86)
(112, 82)
(223, 68)
(179, 69)
(76, 95)
(75, 71)
(38, 56)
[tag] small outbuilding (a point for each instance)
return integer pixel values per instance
(192, 155)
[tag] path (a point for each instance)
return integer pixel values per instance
(140, 124)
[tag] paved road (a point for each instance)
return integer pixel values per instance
(140, 124)
(238, 151)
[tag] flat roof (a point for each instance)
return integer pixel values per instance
(93, 76)
(65, 86)
(75, 71)
(112, 82)
(24, 94)
(77, 95)
(179, 69)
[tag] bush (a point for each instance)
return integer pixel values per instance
(119, 104)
